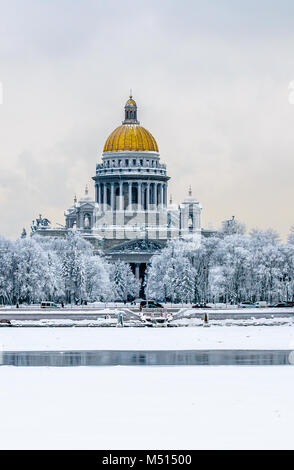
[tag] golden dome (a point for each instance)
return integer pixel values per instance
(132, 137)
(131, 102)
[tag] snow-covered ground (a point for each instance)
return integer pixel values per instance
(147, 407)
(63, 323)
(215, 337)
(222, 407)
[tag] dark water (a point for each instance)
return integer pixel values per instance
(147, 358)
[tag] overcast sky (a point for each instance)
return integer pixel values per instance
(212, 81)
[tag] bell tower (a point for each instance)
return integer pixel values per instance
(131, 111)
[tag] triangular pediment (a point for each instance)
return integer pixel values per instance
(86, 205)
(136, 246)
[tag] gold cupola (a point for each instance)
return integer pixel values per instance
(130, 136)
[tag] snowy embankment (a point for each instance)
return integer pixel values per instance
(215, 337)
(146, 407)
(193, 322)
(225, 312)
(136, 322)
(64, 323)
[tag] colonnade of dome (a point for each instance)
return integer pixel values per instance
(131, 195)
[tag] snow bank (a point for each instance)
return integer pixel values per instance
(64, 323)
(147, 408)
(215, 337)
(190, 312)
(236, 322)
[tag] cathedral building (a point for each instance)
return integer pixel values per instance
(131, 218)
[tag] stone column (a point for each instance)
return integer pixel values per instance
(121, 197)
(155, 196)
(161, 195)
(139, 195)
(165, 195)
(112, 196)
(105, 197)
(148, 195)
(130, 195)
(99, 194)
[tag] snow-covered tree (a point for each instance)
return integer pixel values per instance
(74, 252)
(6, 276)
(124, 284)
(171, 275)
(203, 259)
(232, 227)
(55, 285)
(234, 267)
(30, 271)
(98, 285)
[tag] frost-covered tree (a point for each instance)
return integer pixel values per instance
(185, 285)
(171, 275)
(55, 285)
(30, 271)
(6, 275)
(234, 268)
(232, 227)
(232, 258)
(98, 285)
(74, 253)
(203, 259)
(125, 286)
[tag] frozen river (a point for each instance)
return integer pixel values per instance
(135, 406)
(147, 358)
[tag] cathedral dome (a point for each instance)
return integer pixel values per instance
(130, 136)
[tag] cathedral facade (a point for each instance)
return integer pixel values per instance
(130, 218)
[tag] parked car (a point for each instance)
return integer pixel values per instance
(203, 305)
(248, 304)
(282, 305)
(46, 304)
(261, 304)
(150, 304)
